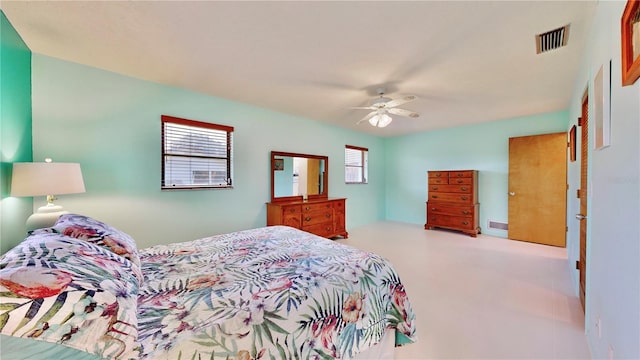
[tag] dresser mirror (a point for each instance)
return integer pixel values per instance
(298, 176)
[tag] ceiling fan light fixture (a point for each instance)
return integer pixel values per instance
(380, 120)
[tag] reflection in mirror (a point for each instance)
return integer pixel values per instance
(298, 175)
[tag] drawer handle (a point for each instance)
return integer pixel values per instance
(433, 209)
(465, 223)
(292, 210)
(434, 188)
(328, 228)
(464, 188)
(438, 175)
(466, 212)
(434, 196)
(327, 215)
(307, 208)
(460, 174)
(464, 198)
(460, 181)
(307, 219)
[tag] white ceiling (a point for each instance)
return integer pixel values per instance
(467, 61)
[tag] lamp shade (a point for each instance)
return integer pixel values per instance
(380, 120)
(46, 178)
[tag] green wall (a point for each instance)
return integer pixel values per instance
(110, 124)
(15, 130)
(483, 147)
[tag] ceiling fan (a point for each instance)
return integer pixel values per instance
(383, 106)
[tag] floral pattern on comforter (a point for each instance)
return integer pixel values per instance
(267, 293)
(70, 292)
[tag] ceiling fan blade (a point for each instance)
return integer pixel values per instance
(369, 116)
(403, 112)
(403, 100)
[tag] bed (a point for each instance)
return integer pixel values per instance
(82, 290)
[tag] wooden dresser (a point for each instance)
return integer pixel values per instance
(453, 201)
(323, 217)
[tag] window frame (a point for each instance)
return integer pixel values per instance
(203, 125)
(364, 169)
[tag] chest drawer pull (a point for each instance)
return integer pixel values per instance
(327, 215)
(465, 223)
(433, 209)
(307, 219)
(466, 212)
(460, 174)
(464, 198)
(434, 196)
(438, 175)
(292, 210)
(307, 208)
(434, 188)
(464, 188)
(460, 181)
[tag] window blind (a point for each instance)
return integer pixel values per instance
(355, 159)
(195, 154)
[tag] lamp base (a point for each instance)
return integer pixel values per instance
(45, 216)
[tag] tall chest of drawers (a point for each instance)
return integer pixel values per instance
(323, 217)
(453, 201)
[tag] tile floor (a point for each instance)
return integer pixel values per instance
(481, 298)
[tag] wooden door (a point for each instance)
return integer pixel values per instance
(538, 189)
(582, 194)
(313, 176)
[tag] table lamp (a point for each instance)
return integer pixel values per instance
(46, 178)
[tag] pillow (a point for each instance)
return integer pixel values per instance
(99, 233)
(68, 291)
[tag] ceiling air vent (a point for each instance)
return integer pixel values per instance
(552, 40)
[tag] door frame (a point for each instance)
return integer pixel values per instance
(583, 196)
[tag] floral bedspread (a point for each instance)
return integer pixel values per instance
(267, 293)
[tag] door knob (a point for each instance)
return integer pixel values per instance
(511, 193)
(580, 217)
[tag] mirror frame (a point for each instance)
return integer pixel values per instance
(325, 178)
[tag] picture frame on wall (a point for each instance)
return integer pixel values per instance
(278, 164)
(572, 144)
(630, 31)
(602, 92)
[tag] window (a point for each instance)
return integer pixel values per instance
(195, 154)
(355, 165)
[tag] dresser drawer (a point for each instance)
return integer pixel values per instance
(456, 222)
(311, 208)
(438, 174)
(293, 220)
(462, 198)
(436, 181)
(338, 205)
(317, 216)
(461, 174)
(436, 208)
(322, 229)
(461, 181)
(291, 209)
(464, 188)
